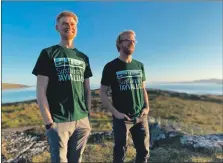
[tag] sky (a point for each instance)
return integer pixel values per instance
(177, 41)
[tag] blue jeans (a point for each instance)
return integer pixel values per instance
(140, 134)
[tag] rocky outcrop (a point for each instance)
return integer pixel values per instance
(29, 143)
(24, 145)
(207, 144)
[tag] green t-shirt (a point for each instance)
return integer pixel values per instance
(66, 69)
(125, 80)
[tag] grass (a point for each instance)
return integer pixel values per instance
(205, 116)
(43, 157)
(101, 121)
(19, 115)
(103, 153)
(192, 116)
(173, 154)
(5, 143)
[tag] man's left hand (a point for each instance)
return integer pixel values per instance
(144, 111)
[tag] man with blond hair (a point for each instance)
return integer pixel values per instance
(130, 105)
(63, 93)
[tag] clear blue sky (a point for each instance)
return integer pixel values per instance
(177, 41)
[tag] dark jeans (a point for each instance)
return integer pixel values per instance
(140, 136)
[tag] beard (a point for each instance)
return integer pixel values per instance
(128, 51)
(69, 35)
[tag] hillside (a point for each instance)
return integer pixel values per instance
(193, 114)
(212, 81)
(12, 86)
(218, 81)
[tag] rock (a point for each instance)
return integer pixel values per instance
(173, 134)
(201, 144)
(10, 160)
(28, 144)
(215, 137)
(99, 137)
(34, 138)
(22, 160)
(220, 143)
(13, 150)
(169, 134)
(161, 136)
(24, 147)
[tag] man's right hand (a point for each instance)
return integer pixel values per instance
(119, 115)
(107, 104)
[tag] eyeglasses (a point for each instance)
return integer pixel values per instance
(127, 40)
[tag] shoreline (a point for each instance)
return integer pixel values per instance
(95, 92)
(7, 86)
(19, 102)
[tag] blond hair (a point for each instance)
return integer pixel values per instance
(67, 13)
(120, 35)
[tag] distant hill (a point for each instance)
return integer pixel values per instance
(217, 81)
(12, 86)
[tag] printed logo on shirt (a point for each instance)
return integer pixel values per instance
(129, 79)
(69, 69)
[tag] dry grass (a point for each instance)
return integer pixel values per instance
(203, 116)
(21, 115)
(43, 157)
(103, 153)
(193, 116)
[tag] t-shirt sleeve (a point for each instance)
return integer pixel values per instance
(87, 72)
(43, 64)
(106, 76)
(143, 73)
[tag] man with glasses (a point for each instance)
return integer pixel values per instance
(130, 105)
